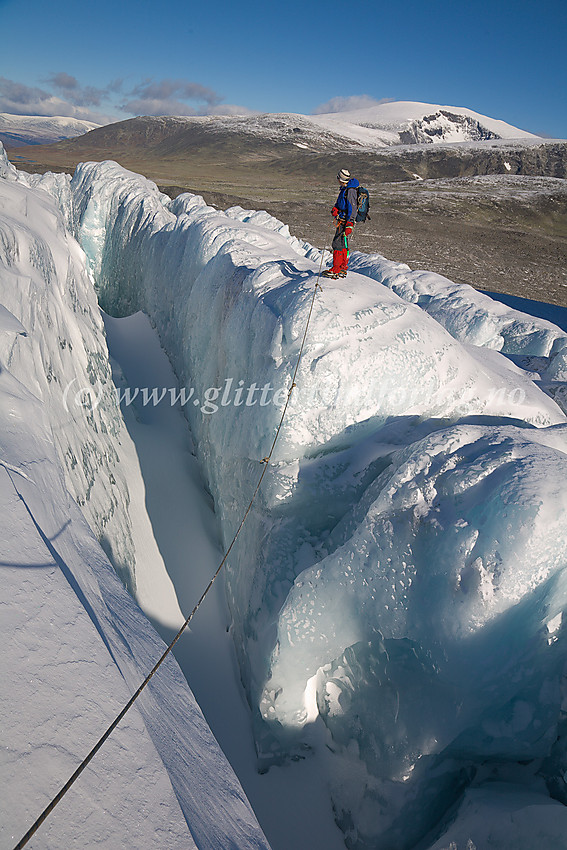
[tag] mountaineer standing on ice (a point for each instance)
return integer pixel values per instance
(345, 211)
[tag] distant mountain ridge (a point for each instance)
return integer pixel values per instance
(20, 130)
(375, 127)
(387, 143)
(384, 125)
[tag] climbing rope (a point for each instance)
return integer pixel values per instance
(265, 463)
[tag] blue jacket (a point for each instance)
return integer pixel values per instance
(347, 200)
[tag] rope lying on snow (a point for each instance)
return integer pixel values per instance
(265, 461)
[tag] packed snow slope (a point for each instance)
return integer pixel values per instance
(75, 645)
(398, 590)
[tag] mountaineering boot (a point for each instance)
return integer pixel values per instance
(342, 273)
(330, 273)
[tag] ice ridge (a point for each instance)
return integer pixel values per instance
(397, 593)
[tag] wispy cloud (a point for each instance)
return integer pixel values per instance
(184, 89)
(155, 106)
(17, 97)
(20, 99)
(63, 94)
(349, 104)
(115, 86)
(231, 109)
(170, 97)
(74, 92)
(64, 81)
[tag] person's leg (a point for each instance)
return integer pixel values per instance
(338, 248)
(337, 245)
(343, 258)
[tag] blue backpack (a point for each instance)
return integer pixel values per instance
(363, 204)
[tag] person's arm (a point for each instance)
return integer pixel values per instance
(335, 211)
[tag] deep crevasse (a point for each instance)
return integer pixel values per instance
(75, 644)
(409, 543)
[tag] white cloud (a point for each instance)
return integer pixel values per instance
(349, 104)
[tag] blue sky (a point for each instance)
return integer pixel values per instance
(111, 60)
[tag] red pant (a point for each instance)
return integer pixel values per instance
(340, 248)
(340, 260)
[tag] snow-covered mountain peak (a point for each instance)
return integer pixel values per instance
(406, 122)
(19, 130)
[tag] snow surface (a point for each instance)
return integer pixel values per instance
(395, 594)
(537, 347)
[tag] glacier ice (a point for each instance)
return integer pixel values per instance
(75, 644)
(392, 589)
(46, 284)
